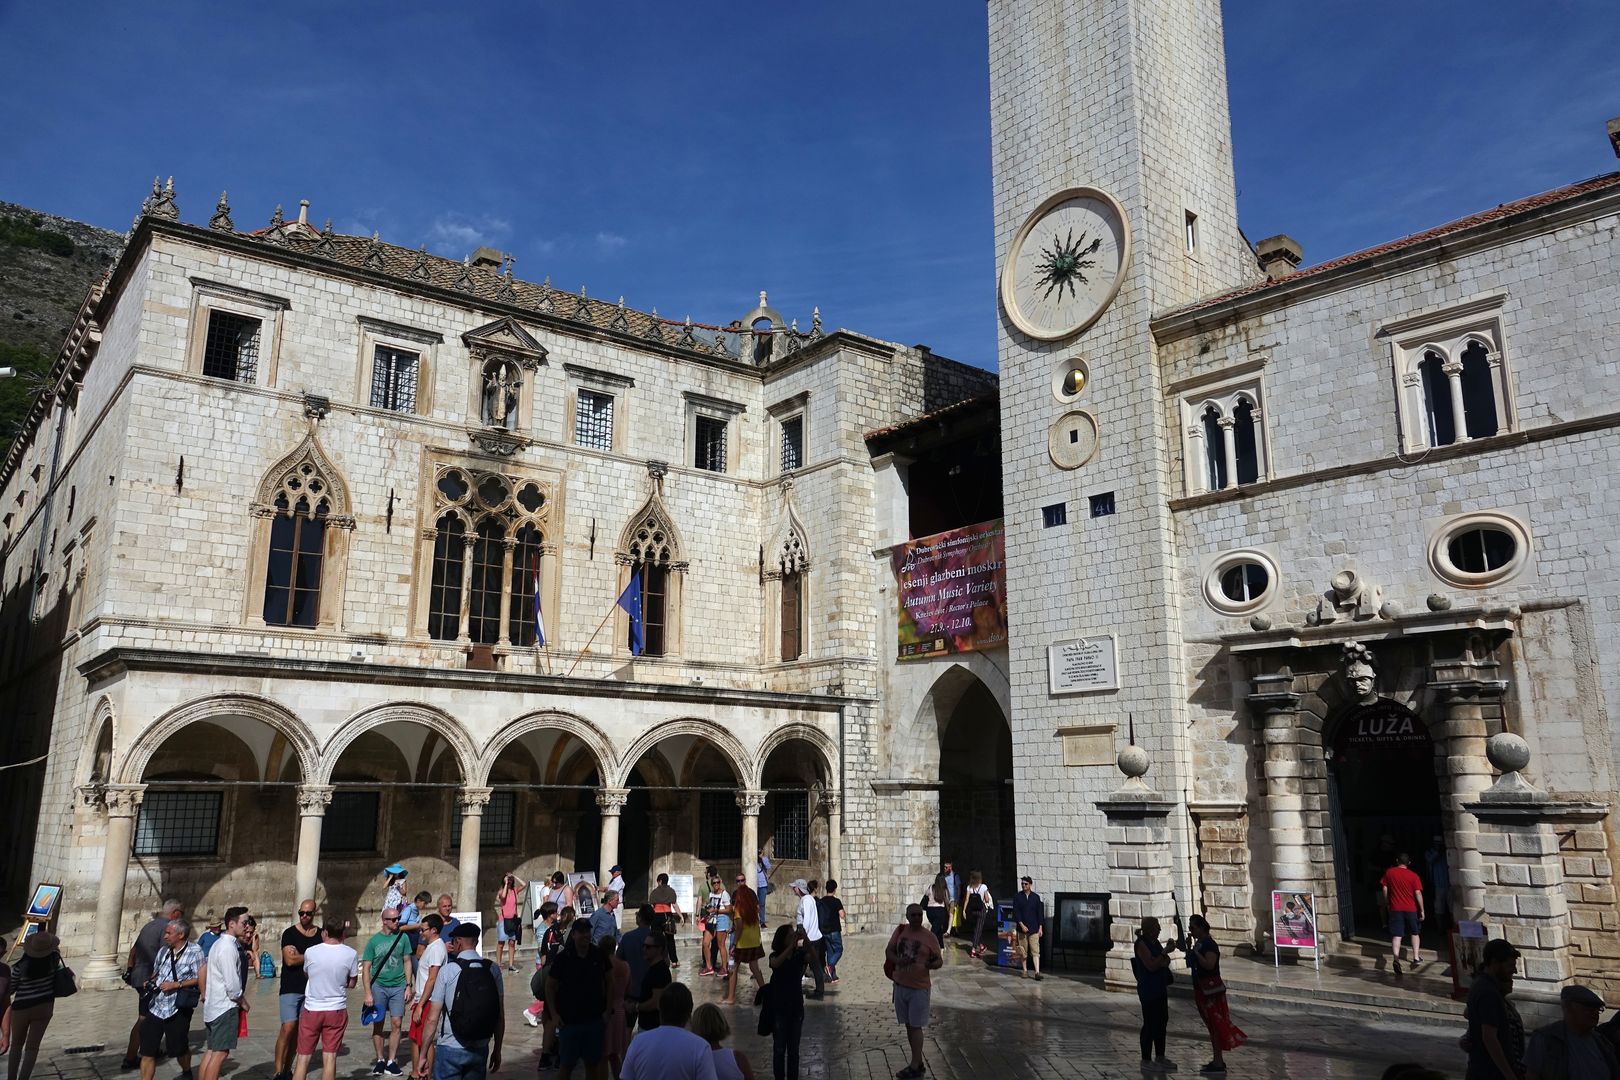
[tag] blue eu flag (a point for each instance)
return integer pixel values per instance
(630, 600)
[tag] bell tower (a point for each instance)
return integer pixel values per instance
(1114, 202)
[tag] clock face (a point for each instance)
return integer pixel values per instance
(1066, 263)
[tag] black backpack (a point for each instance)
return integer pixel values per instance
(477, 1003)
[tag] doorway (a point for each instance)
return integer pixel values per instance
(1385, 801)
(976, 823)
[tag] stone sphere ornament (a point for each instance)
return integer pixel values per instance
(1507, 752)
(1260, 623)
(1439, 602)
(1133, 761)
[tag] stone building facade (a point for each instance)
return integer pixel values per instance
(273, 544)
(1353, 528)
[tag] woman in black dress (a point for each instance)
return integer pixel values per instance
(790, 952)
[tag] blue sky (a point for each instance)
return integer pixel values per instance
(688, 155)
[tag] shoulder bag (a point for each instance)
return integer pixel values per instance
(65, 983)
(371, 1014)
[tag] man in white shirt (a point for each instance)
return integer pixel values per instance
(669, 1051)
(434, 954)
(810, 920)
(330, 970)
(222, 1004)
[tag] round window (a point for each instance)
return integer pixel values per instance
(1240, 582)
(1069, 379)
(1479, 550)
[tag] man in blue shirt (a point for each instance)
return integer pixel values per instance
(605, 919)
(1029, 912)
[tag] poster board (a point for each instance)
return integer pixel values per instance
(477, 919)
(1082, 665)
(685, 896)
(43, 904)
(1467, 955)
(1293, 924)
(952, 591)
(586, 892)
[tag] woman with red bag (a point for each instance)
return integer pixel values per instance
(1209, 994)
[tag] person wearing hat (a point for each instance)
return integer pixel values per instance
(451, 1057)
(213, 926)
(809, 919)
(1495, 1039)
(616, 879)
(394, 887)
(33, 1000)
(1572, 1048)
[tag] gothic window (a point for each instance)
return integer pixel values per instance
(393, 379)
(301, 542)
(1452, 377)
(786, 577)
(793, 443)
(792, 615)
(1224, 437)
(654, 609)
(650, 546)
(710, 444)
(487, 546)
(593, 420)
(502, 379)
(449, 550)
(231, 349)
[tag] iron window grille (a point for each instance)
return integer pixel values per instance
(792, 824)
(498, 826)
(178, 823)
(350, 824)
(719, 826)
(711, 444)
(792, 443)
(593, 420)
(231, 349)
(393, 379)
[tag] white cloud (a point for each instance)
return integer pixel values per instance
(456, 234)
(607, 242)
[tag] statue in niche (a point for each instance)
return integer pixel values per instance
(501, 382)
(1359, 673)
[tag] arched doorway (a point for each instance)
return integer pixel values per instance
(681, 814)
(793, 824)
(1384, 797)
(976, 823)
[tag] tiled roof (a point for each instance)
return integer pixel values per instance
(959, 408)
(1505, 210)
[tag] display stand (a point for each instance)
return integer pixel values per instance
(1293, 925)
(43, 907)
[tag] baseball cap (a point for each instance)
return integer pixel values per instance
(1498, 950)
(800, 884)
(616, 869)
(1580, 995)
(465, 930)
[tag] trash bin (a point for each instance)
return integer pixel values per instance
(1006, 933)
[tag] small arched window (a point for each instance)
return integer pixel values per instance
(1214, 450)
(1439, 419)
(792, 615)
(525, 576)
(1246, 436)
(300, 543)
(484, 599)
(292, 580)
(1478, 393)
(449, 553)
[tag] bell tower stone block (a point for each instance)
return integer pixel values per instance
(1124, 100)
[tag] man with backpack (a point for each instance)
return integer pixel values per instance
(466, 1011)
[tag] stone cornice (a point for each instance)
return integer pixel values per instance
(119, 660)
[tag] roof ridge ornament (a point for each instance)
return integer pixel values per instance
(374, 253)
(507, 293)
(162, 203)
(544, 303)
(620, 320)
(688, 338)
(654, 330)
(221, 221)
(324, 245)
(277, 232)
(815, 324)
(464, 280)
(582, 310)
(419, 269)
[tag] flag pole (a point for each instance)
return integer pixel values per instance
(592, 638)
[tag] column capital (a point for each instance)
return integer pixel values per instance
(123, 800)
(611, 800)
(830, 800)
(313, 799)
(750, 802)
(473, 800)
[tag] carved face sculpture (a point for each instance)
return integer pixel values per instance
(1362, 681)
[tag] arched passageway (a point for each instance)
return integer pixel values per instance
(976, 822)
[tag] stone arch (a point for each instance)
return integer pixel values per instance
(434, 719)
(651, 535)
(594, 740)
(100, 734)
(723, 741)
(308, 457)
(252, 706)
(826, 748)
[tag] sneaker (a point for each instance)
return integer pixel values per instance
(707, 971)
(911, 1072)
(1397, 967)
(1164, 1065)
(392, 1068)
(1214, 1068)
(530, 1019)
(128, 1064)
(378, 1066)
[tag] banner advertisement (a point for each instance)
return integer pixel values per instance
(1293, 924)
(952, 590)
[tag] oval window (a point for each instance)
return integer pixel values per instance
(1479, 550)
(1241, 582)
(1245, 583)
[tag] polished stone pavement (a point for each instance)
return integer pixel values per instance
(987, 1023)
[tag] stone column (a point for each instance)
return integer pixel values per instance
(1228, 427)
(504, 636)
(832, 806)
(1274, 707)
(1223, 853)
(1453, 370)
(106, 963)
(472, 801)
(1464, 699)
(313, 799)
(611, 802)
(663, 841)
(1139, 877)
(750, 803)
(1523, 870)
(466, 586)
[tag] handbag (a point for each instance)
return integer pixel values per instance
(64, 983)
(372, 1014)
(186, 997)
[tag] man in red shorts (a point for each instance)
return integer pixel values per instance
(330, 970)
(1403, 891)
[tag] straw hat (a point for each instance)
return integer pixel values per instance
(41, 945)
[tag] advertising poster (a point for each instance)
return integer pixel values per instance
(1293, 920)
(952, 591)
(685, 896)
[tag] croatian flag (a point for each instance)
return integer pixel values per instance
(539, 622)
(630, 600)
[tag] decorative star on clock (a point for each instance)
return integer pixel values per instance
(1064, 263)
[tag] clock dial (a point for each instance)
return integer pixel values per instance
(1066, 263)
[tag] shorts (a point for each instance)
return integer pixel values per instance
(911, 1006)
(325, 1028)
(581, 1043)
(1403, 924)
(291, 1005)
(172, 1035)
(222, 1030)
(509, 930)
(390, 1000)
